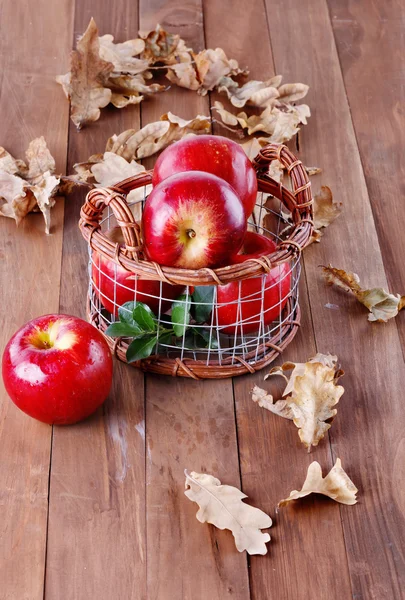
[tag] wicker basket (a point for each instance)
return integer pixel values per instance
(236, 353)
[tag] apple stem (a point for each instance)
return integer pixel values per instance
(191, 233)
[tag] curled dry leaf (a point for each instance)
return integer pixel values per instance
(86, 84)
(27, 187)
(162, 47)
(133, 144)
(255, 93)
(309, 397)
(381, 304)
(122, 56)
(279, 123)
(212, 66)
(336, 485)
(222, 506)
(114, 168)
(326, 210)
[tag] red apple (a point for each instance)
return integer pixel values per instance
(127, 286)
(57, 369)
(276, 289)
(214, 154)
(193, 220)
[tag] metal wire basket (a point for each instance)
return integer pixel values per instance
(250, 311)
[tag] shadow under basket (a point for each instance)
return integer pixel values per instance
(249, 313)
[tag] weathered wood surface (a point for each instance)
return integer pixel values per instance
(113, 522)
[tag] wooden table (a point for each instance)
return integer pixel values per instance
(97, 511)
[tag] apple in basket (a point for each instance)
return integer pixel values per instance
(114, 285)
(193, 220)
(253, 301)
(213, 154)
(57, 369)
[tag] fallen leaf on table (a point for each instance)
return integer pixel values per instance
(251, 147)
(130, 89)
(86, 84)
(255, 93)
(24, 188)
(222, 506)
(291, 92)
(336, 485)
(155, 136)
(162, 47)
(114, 168)
(122, 55)
(309, 397)
(326, 210)
(313, 170)
(280, 124)
(381, 304)
(212, 66)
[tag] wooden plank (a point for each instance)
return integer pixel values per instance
(189, 424)
(96, 545)
(371, 412)
(273, 461)
(30, 106)
(360, 28)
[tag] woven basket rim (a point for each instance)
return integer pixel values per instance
(298, 201)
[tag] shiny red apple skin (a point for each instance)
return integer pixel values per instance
(57, 369)
(277, 284)
(214, 154)
(193, 220)
(105, 271)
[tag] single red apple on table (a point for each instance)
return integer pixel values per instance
(213, 154)
(57, 369)
(114, 285)
(276, 289)
(193, 220)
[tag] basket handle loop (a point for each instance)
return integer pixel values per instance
(99, 198)
(300, 201)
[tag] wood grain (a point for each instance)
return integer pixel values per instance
(188, 424)
(30, 106)
(368, 436)
(96, 542)
(272, 459)
(370, 39)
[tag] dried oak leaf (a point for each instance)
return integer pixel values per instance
(132, 144)
(130, 89)
(255, 93)
(279, 123)
(114, 168)
(336, 485)
(212, 66)
(309, 397)
(122, 55)
(326, 210)
(86, 84)
(222, 506)
(26, 188)
(161, 46)
(381, 304)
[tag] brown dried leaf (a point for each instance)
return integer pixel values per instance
(336, 485)
(381, 304)
(122, 56)
(313, 170)
(223, 506)
(86, 85)
(291, 92)
(212, 66)
(309, 396)
(133, 144)
(280, 124)
(326, 210)
(251, 147)
(184, 74)
(22, 188)
(255, 93)
(162, 46)
(114, 168)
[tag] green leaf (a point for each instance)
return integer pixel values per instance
(166, 337)
(205, 295)
(125, 312)
(181, 315)
(144, 317)
(123, 329)
(141, 347)
(204, 334)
